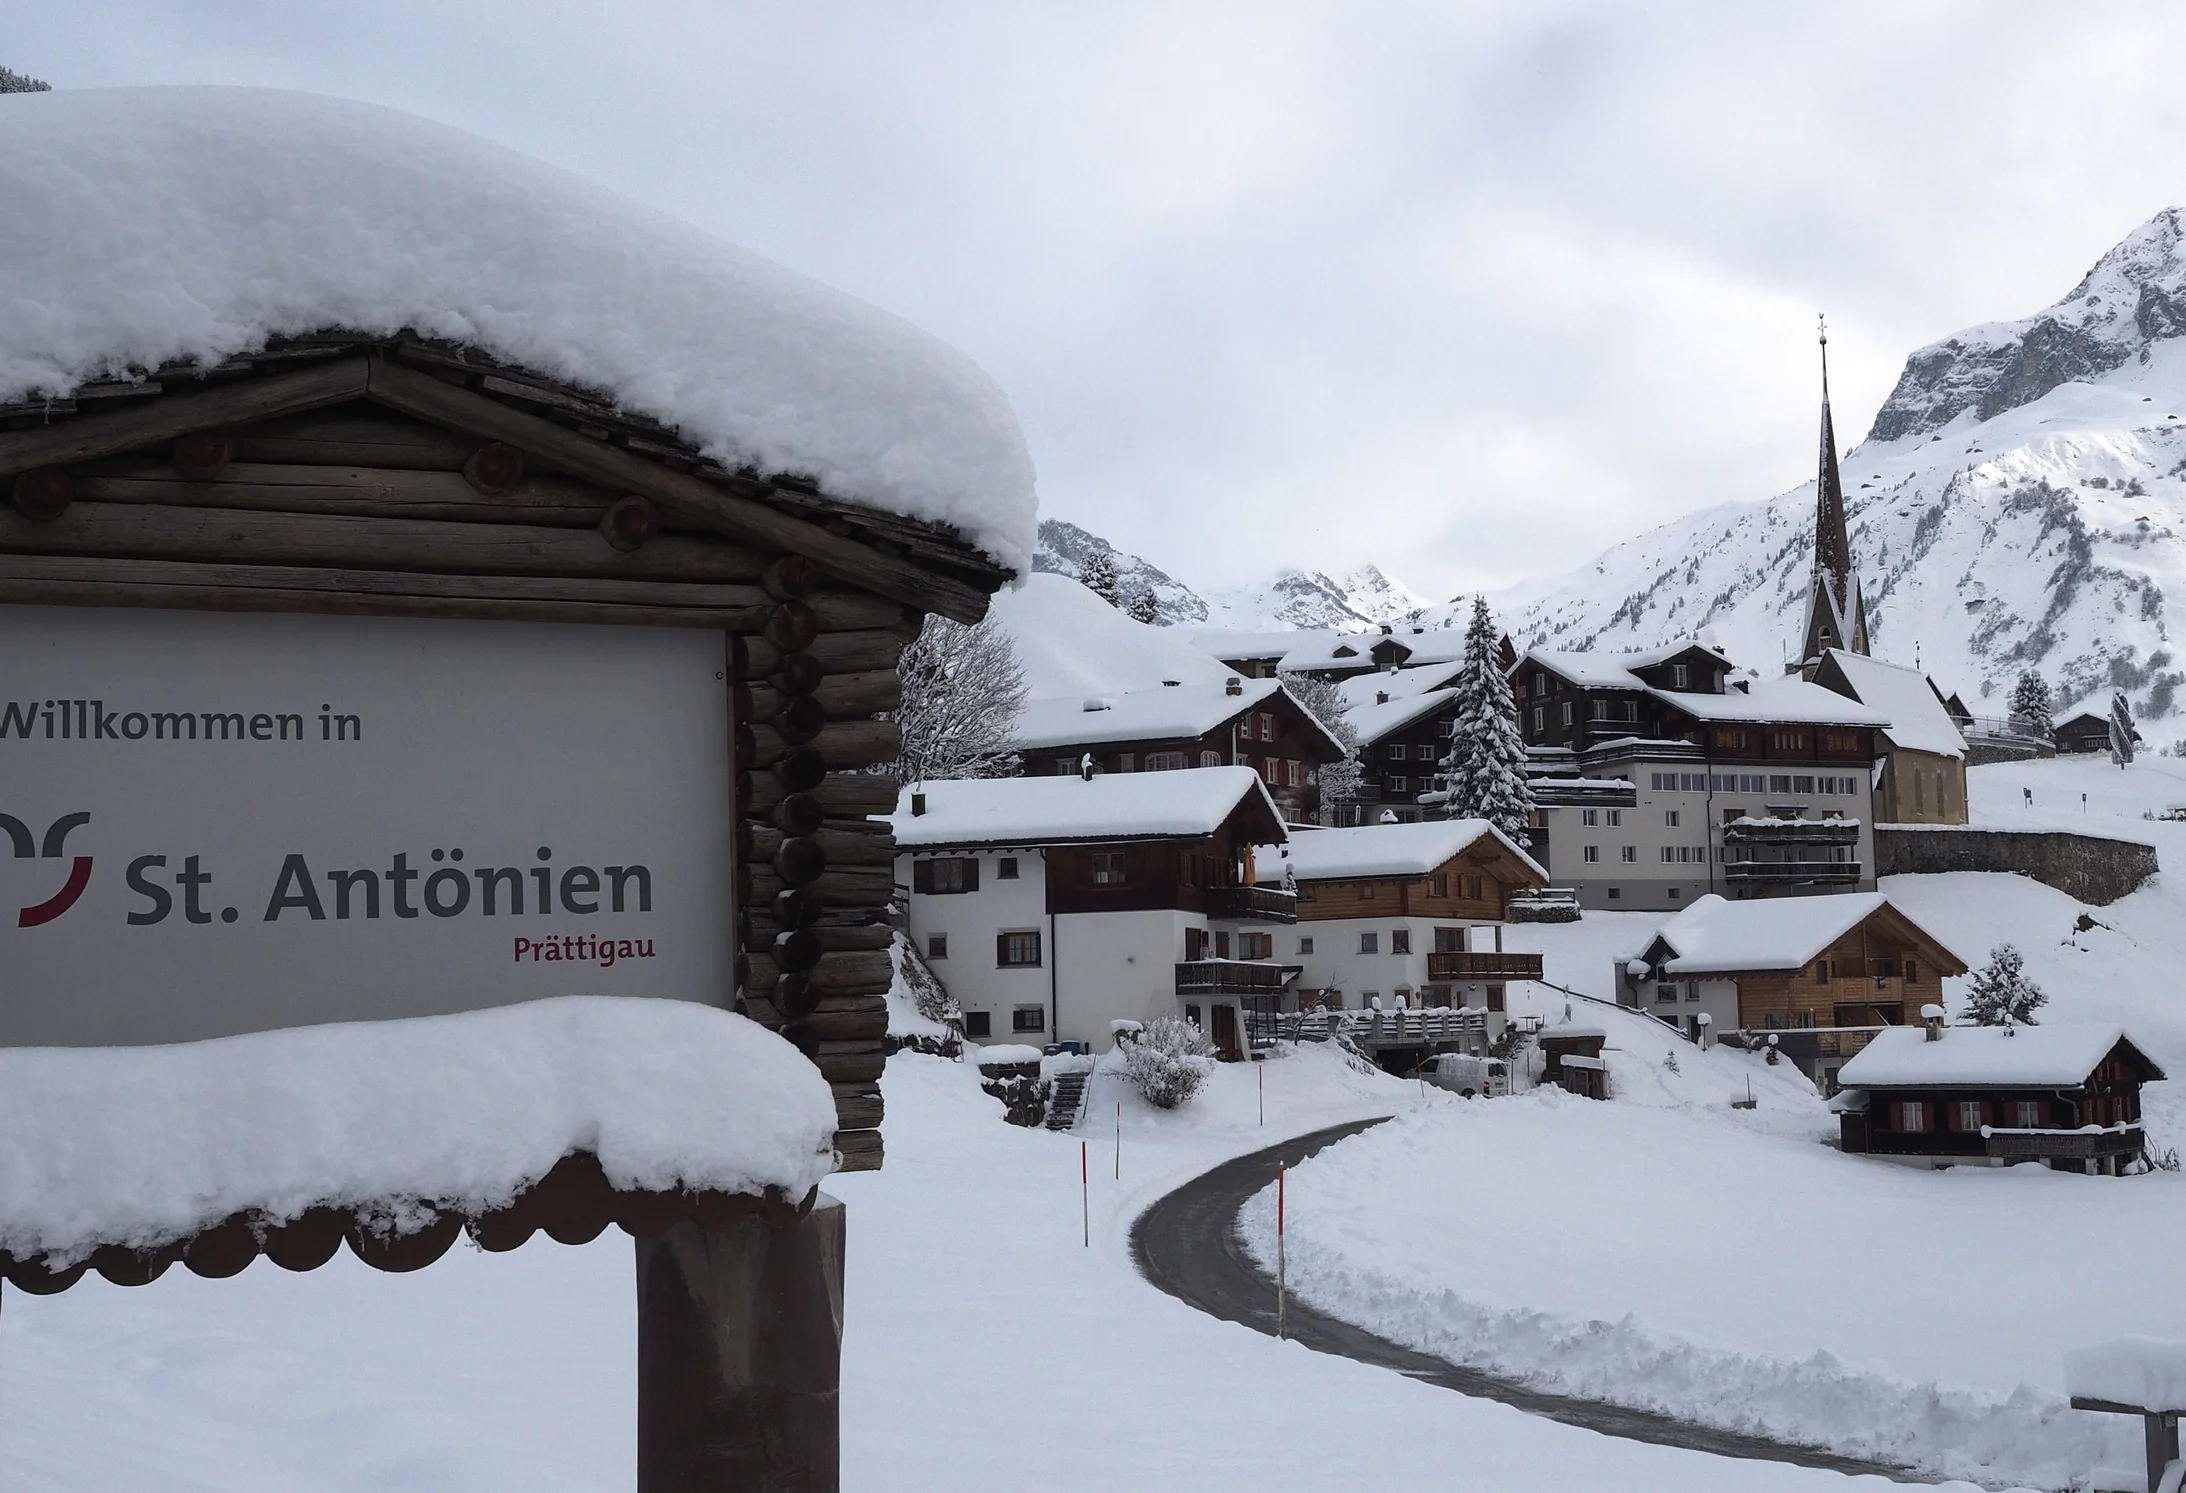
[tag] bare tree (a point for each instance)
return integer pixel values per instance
(1339, 780)
(962, 692)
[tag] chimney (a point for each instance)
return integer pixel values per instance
(1381, 697)
(918, 804)
(1931, 1017)
(1233, 686)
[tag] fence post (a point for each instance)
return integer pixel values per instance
(1282, 1285)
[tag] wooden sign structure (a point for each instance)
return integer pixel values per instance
(399, 477)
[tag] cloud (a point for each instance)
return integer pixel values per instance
(1467, 292)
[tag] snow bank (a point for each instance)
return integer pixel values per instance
(1004, 1054)
(2145, 1372)
(141, 1145)
(148, 225)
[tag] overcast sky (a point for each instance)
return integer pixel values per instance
(1471, 292)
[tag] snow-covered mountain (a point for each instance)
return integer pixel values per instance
(2020, 503)
(1292, 599)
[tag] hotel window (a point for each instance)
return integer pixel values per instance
(2029, 1114)
(978, 1024)
(1400, 940)
(1108, 868)
(1912, 1116)
(1029, 1019)
(1591, 854)
(937, 946)
(1005, 868)
(1305, 945)
(1017, 950)
(1969, 1114)
(1629, 854)
(1370, 943)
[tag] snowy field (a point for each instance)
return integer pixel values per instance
(987, 1348)
(1670, 1252)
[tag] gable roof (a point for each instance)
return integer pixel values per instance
(1919, 721)
(150, 227)
(1362, 689)
(1177, 712)
(1789, 700)
(1373, 722)
(1716, 936)
(1110, 808)
(1379, 850)
(2057, 1056)
(1611, 670)
(1234, 642)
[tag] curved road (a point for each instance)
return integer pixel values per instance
(1187, 1244)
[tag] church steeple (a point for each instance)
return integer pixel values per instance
(1836, 613)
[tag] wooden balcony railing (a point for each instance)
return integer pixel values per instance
(1256, 904)
(1483, 966)
(1239, 977)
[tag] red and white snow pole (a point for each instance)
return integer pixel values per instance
(1085, 1195)
(1282, 1291)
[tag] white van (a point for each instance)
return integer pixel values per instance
(1461, 1073)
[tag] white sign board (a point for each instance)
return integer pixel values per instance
(212, 823)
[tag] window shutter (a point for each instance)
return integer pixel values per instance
(971, 873)
(922, 876)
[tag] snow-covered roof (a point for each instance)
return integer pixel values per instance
(1789, 700)
(1068, 809)
(2057, 1055)
(146, 226)
(1373, 850)
(1398, 684)
(1715, 936)
(1169, 713)
(1609, 670)
(1236, 642)
(140, 1146)
(2145, 1372)
(1329, 650)
(1373, 722)
(1071, 643)
(1918, 721)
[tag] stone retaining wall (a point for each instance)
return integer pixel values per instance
(2088, 868)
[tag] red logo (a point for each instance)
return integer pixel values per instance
(79, 875)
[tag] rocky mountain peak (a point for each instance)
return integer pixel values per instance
(2134, 297)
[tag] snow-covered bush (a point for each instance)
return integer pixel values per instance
(2001, 994)
(1167, 1061)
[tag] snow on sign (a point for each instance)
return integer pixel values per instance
(223, 823)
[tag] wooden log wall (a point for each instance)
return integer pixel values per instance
(355, 509)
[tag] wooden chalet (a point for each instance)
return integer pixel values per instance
(2067, 1096)
(396, 476)
(1403, 723)
(1815, 976)
(1252, 723)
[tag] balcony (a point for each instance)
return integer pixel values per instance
(2088, 1144)
(1252, 904)
(1775, 831)
(1233, 977)
(1792, 873)
(1452, 967)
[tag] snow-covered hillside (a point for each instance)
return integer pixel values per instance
(2019, 504)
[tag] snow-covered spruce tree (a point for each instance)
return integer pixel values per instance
(2031, 708)
(2001, 994)
(962, 692)
(1339, 780)
(15, 82)
(1146, 607)
(1098, 574)
(1168, 1061)
(1483, 774)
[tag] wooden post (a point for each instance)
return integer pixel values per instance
(740, 1356)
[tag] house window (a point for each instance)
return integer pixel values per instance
(1779, 782)
(1267, 726)
(1969, 1114)
(1221, 944)
(1439, 885)
(1187, 870)
(1165, 761)
(1449, 940)
(1629, 854)
(1692, 990)
(1400, 940)
(1472, 888)
(1615, 893)
(1912, 1116)
(1912, 971)
(1821, 971)
(1195, 943)
(1666, 995)
(1271, 772)
(945, 877)
(978, 1024)
(1065, 766)
(1599, 710)
(1567, 712)
(1394, 783)
(2029, 1114)
(1017, 950)
(1590, 818)
(1005, 867)
(1305, 945)
(937, 946)
(1680, 676)
(1108, 868)
(1669, 818)
(1396, 751)
(1366, 891)
(1591, 854)
(1210, 759)
(1616, 818)
(1370, 943)
(1802, 783)
(1539, 722)
(1029, 1019)
(1128, 762)
(1255, 945)
(1668, 854)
